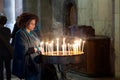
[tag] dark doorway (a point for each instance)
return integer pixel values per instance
(70, 15)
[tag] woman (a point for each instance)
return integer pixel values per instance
(26, 46)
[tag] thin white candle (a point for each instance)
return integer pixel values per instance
(79, 43)
(76, 45)
(42, 44)
(83, 45)
(74, 49)
(49, 49)
(64, 47)
(68, 48)
(52, 46)
(57, 45)
(46, 47)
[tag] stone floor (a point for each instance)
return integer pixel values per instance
(76, 76)
(72, 76)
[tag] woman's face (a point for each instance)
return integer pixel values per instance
(31, 25)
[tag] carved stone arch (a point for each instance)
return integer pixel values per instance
(69, 15)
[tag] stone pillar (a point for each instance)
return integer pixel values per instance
(18, 7)
(9, 10)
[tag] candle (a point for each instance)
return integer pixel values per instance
(74, 49)
(64, 41)
(49, 48)
(52, 46)
(57, 45)
(63, 49)
(64, 46)
(68, 48)
(46, 47)
(76, 45)
(42, 44)
(79, 43)
(83, 45)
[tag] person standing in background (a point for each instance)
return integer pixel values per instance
(15, 29)
(5, 49)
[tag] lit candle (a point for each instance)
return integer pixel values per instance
(52, 47)
(64, 46)
(57, 45)
(63, 49)
(83, 45)
(64, 41)
(49, 49)
(46, 47)
(42, 44)
(79, 43)
(74, 49)
(76, 45)
(68, 48)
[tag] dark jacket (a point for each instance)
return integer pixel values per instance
(15, 29)
(21, 66)
(5, 47)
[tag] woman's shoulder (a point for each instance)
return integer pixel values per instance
(20, 32)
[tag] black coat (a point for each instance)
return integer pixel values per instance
(5, 47)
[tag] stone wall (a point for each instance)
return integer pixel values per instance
(57, 18)
(58, 8)
(100, 15)
(46, 19)
(85, 12)
(97, 13)
(117, 39)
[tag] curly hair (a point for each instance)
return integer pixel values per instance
(25, 19)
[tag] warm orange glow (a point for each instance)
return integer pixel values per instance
(57, 48)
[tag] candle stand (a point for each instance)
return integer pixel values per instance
(61, 60)
(63, 51)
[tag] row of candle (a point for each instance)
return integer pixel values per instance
(55, 48)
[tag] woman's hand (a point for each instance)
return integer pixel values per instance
(31, 50)
(35, 49)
